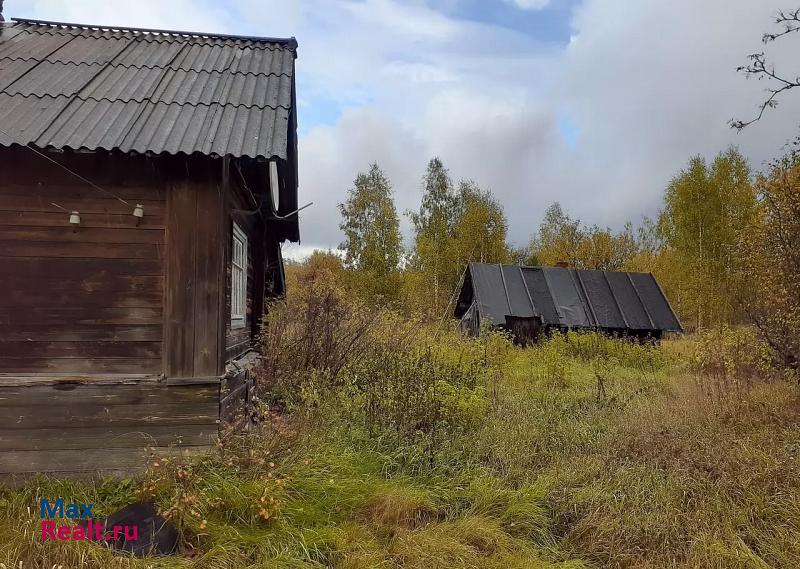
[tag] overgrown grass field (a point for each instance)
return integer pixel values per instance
(424, 450)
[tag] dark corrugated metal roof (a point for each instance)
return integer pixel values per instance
(83, 87)
(568, 298)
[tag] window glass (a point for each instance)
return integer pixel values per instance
(238, 277)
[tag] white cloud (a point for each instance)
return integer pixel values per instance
(410, 21)
(650, 84)
(530, 4)
(333, 155)
(174, 14)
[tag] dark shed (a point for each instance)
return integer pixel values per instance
(147, 180)
(529, 300)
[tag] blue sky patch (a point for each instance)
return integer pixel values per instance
(569, 131)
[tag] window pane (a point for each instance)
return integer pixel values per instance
(238, 275)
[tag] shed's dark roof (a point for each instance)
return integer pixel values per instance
(572, 298)
(88, 87)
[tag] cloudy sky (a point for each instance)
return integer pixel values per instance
(592, 103)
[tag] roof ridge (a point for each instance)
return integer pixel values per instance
(290, 42)
(161, 37)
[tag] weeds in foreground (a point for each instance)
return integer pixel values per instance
(579, 452)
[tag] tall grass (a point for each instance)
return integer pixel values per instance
(394, 444)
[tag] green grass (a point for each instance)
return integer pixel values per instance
(586, 453)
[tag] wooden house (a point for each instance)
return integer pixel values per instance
(147, 180)
(531, 301)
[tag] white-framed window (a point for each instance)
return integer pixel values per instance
(238, 277)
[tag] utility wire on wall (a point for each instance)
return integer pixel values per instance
(138, 211)
(60, 165)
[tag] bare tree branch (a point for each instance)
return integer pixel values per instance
(759, 68)
(790, 21)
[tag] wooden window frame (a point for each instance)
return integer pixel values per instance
(239, 246)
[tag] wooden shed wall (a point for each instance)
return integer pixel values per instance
(86, 301)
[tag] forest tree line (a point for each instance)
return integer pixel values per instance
(725, 245)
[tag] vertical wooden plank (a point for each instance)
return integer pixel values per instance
(224, 254)
(209, 279)
(179, 325)
(259, 272)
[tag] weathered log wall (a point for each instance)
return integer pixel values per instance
(83, 300)
(114, 335)
(102, 427)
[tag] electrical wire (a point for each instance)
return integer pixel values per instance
(238, 169)
(46, 157)
(246, 187)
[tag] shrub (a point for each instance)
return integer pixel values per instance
(321, 330)
(728, 359)
(403, 381)
(416, 392)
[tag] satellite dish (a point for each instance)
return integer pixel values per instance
(274, 186)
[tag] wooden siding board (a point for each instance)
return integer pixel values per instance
(57, 218)
(80, 365)
(96, 283)
(59, 438)
(208, 274)
(80, 269)
(44, 379)
(113, 171)
(69, 332)
(79, 250)
(66, 234)
(80, 415)
(225, 259)
(120, 460)
(130, 394)
(79, 349)
(93, 316)
(97, 203)
(63, 188)
(181, 255)
(27, 297)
